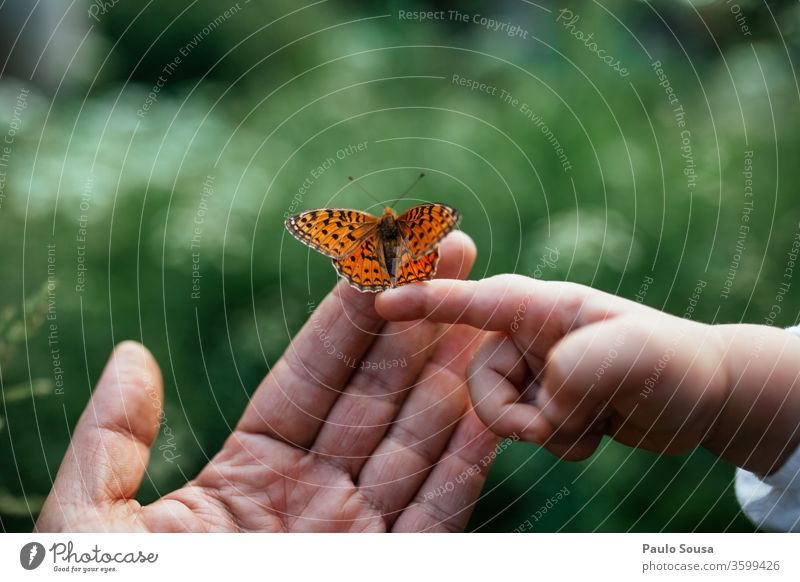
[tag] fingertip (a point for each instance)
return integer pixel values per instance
(538, 431)
(132, 359)
(542, 397)
(347, 295)
(130, 392)
(458, 252)
(130, 350)
(459, 241)
(460, 238)
(518, 421)
(401, 303)
(577, 450)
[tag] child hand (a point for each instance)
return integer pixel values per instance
(567, 364)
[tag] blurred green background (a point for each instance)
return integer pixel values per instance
(102, 187)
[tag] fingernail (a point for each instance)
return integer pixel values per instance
(531, 436)
(536, 432)
(542, 398)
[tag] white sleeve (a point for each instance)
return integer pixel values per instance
(772, 502)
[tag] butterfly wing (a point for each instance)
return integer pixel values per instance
(364, 266)
(420, 269)
(334, 232)
(423, 226)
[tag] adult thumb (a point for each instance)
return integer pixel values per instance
(108, 454)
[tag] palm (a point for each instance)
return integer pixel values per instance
(303, 493)
(324, 445)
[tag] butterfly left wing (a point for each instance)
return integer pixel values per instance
(332, 231)
(364, 267)
(423, 226)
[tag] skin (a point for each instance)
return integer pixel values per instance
(564, 364)
(321, 446)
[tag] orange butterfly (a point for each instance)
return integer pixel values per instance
(377, 253)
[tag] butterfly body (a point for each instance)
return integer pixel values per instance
(392, 243)
(377, 253)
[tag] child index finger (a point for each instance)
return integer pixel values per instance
(489, 304)
(508, 303)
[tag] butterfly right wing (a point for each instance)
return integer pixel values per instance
(423, 226)
(334, 232)
(419, 269)
(364, 267)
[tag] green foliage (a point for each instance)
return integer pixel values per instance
(123, 194)
(14, 329)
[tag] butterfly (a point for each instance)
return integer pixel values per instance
(377, 253)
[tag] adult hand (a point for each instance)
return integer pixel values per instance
(325, 444)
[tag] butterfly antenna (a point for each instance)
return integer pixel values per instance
(360, 187)
(411, 187)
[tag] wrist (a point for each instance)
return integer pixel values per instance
(757, 426)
